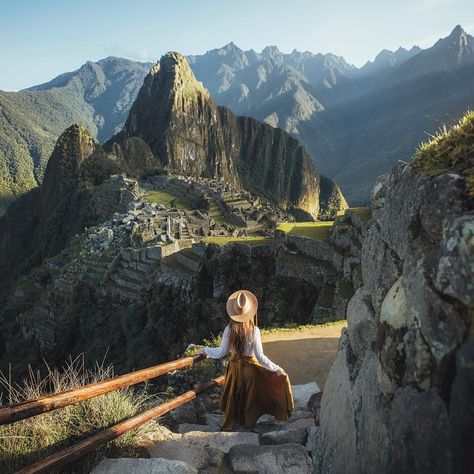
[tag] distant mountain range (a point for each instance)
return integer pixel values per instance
(355, 123)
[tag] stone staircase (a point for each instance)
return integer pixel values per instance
(271, 447)
(64, 287)
(237, 201)
(190, 258)
(95, 270)
(185, 264)
(213, 209)
(132, 272)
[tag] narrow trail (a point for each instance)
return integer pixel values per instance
(306, 355)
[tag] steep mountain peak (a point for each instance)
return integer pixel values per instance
(271, 52)
(62, 174)
(230, 47)
(169, 87)
(176, 122)
(175, 70)
(456, 50)
(457, 32)
(457, 40)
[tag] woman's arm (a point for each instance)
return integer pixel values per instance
(219, 352)
(261, 357)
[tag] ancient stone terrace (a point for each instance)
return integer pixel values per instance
(226, 205)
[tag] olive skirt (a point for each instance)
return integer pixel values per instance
(250, 390)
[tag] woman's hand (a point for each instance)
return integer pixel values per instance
(200, 351)
(280, 372)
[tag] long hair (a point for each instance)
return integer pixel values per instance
(238, 334)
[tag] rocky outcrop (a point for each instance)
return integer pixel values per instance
(176, 120)
(399, 397)
(332, 201)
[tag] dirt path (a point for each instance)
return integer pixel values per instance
(307, 355)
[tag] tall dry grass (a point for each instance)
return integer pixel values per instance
(27, 441)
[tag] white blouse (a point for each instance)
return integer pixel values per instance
(253, 347)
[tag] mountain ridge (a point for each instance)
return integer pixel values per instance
(343, 116)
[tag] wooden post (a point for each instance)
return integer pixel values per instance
(20, 411)
(77, 450)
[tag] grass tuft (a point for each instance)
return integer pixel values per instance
(448, 150)
(28, 441)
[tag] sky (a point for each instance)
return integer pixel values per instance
(40, 39)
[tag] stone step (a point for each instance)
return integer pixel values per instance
(97, 267)
(214, 419)
(189, 263)
(299, 436)
(153, 254)
(201, 450)
(143, 466)
(124, 281)
(274, 426)
(96, 270)
(132, 274)
(270, 447)
(280, 459)
(144, 267)
(189, 259)
(172, 266)
(123, 291)
(188, 427)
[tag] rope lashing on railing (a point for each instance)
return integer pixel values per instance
(82, 447)
(29, 408)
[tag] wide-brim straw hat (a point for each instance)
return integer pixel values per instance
(242, 305)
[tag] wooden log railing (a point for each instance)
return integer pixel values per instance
(27, 409)
(82, 447)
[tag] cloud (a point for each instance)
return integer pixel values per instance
(138, 55)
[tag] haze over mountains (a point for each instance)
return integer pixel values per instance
(355, 123)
